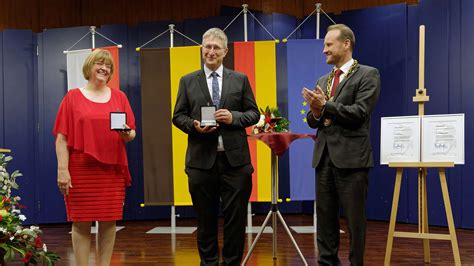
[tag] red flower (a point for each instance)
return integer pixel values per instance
(27, 257)
(38, 243)
(268, 118)
(1, 218)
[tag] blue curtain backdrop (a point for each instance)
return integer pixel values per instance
(18, 110)
(33, 82)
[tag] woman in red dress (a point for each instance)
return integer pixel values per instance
(92, 160)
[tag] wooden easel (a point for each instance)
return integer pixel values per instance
(423, 232)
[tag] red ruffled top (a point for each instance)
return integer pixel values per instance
(86, 125)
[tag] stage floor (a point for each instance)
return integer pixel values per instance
(135, 247)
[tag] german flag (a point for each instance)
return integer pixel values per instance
(164, 146)
(258, 61)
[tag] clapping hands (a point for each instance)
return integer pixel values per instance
(315, 98)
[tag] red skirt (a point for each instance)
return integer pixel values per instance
(98, 190)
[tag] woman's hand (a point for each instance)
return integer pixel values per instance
(62, 153)
(127, 134)
(64, 181)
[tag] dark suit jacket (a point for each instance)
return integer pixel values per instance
(348, 138)
(237, 97)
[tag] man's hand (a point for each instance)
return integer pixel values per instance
(316, 99)
(203, 130)
(223, 116)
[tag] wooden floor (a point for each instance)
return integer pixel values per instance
(134, 247)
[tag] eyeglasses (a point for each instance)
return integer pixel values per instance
(101, 64)
(210, 47)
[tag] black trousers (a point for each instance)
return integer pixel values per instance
(346, 188)
(232, 186)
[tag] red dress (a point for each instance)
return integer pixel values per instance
(97, 157)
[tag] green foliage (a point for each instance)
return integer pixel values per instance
(14, 238)
(271, 120)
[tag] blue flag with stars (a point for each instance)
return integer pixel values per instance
(305, 64)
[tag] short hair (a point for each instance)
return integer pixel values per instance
(346, 33)
(215, 33)
(98, 55)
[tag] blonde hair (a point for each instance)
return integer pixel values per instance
(98, 55)
(345, 33)
(215, 33)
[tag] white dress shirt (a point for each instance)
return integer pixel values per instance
(345, 68)
(208, 72)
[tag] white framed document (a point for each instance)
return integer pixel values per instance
(443, 138)
(400, 139)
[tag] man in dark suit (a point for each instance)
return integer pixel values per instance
(217, 159)
(340, 108)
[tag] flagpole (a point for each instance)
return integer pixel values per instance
(245, 9)
(318, 11)
(318, 25)
(93, 31)
(318, 19)
(173, 207)
(249, 204)
(171, 26)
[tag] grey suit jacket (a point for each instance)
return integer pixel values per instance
(237, 97)
(348, 137)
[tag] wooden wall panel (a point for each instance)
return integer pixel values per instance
(104, 12)
(20, 14)
(150, 10)
(42, 14)
(58, 14)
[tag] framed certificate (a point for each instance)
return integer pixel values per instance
(400, 139)
(443, 138)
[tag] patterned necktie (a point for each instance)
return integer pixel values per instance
(216, 98)
(337, 74)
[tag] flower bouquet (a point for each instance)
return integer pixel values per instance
(271, 121)
(14, 238)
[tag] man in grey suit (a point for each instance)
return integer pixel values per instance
(217, 158)
(340, 108)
